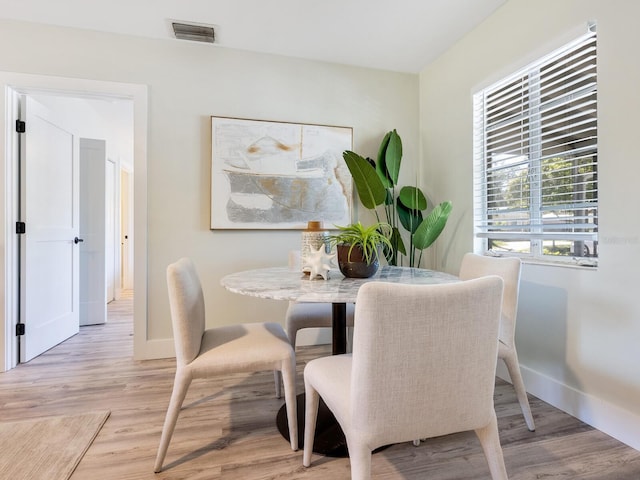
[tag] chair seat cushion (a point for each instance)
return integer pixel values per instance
(242, 347)
(331, 377)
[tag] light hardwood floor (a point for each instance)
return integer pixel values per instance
(227, 428)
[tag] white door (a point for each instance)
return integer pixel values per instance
(49, 260)
(93, 299)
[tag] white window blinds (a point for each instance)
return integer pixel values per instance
(536, 145)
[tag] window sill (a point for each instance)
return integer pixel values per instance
(581, 264)
(564, 264)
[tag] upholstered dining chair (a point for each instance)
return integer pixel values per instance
(310, 315)
(423, 365)
(307, 315)
(508, 268)
(204, 353)
(302, 315)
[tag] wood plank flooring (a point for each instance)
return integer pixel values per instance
(227, 428)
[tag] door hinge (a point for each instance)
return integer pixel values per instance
(21, 227)
(19, 329)
(21, 126)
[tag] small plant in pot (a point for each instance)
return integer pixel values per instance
(358, 248)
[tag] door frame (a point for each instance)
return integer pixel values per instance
(114, 233)
(15, 84)
(126, 229)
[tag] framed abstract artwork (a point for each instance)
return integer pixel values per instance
(278, 175)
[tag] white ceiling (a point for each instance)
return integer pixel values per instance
(398, 35)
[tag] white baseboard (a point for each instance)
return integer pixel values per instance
(153, 349)
(605, 416)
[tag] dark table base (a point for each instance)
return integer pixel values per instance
(329, 439)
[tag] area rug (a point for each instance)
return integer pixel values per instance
(47, 448)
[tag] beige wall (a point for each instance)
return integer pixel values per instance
(578, 330)
(187, 83)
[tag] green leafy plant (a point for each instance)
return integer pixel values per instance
(369, 239)
(377, 185)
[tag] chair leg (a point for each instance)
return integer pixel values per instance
(180, 387)
(360, 459)
(490, 441)
(292, 333)
(511, 361)
(277, 377)
(310, 417)
(289, 378)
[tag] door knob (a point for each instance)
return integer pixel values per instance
(78, 240)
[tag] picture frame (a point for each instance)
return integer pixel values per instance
(278, 175)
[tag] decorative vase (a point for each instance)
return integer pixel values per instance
(354, 265)
(313, 236)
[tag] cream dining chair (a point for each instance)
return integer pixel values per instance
(508, 268)
(302, 315)
(423, 365)
(200, 353)
(307, 315)
(310, 315)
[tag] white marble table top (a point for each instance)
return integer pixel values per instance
(284, 283)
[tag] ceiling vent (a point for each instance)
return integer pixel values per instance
(195, 33)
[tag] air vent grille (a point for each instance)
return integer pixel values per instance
(195, 33)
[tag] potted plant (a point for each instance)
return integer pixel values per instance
(358, 248)
(377, 185)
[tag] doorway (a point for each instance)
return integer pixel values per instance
(23, 84)
(78, 207)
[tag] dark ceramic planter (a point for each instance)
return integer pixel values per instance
(354, 266)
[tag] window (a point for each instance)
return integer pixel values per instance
(536, 150)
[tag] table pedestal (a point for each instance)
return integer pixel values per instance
(339, 328)
(329, 439)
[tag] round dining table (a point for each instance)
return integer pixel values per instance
(286, 283)
(291, 284)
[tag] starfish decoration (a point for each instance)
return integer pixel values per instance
(319, 262)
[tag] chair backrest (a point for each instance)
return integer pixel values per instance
(507, 268)
(424, 359)
(187, 309)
